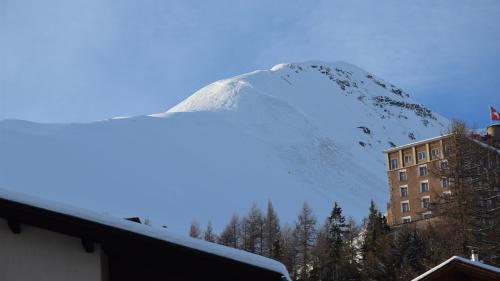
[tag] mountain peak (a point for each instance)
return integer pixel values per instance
(300, 84)
(310, 131)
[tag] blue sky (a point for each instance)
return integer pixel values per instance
(86, 60)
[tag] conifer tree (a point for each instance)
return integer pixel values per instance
(336, 230)
(271, 232)
(305, 229)
(336, 252)
(194, 230)
(209, 234)
(321, 258)
(289, 246)
(351, 248)
(377, 247)
(277, 250)
(409, 252)
(253, 231)
(230, 236)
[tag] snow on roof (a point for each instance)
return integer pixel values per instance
(415, 143)
(161, 234)
(459, 259)
(485, 145)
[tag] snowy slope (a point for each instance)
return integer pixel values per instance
(310, 131)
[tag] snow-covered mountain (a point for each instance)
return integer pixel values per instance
(310, 131)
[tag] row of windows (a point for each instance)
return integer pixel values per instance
(426, 215)
(424, 187)
(408, 159)
(422, 171)
(425, 203)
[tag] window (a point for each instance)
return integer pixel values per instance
(394, 163)
(447, 149)
(445, 182)
(402, 175)
(435, 153)
(425, 202)
(424, 186)
(405, 206)
(443, 164)
(403, 191)
(426, 215)
(407, 159)
(421, 156)
(406, 219)
(422, 171)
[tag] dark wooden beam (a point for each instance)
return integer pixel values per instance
(88, 245)
(14, 226)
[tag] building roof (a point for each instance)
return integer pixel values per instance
(392, 149)
(478, 270)
(63, 218)
(485, 145)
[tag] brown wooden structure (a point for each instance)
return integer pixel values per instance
(461, 269)
(134, 256)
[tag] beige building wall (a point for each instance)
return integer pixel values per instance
(42, 255)
(413, 180)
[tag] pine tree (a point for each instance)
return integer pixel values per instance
(194, 230)
(351, 248)
(336, 253)
(321, 258)
(377, 247)
(440, 242)
(253, 231)
(289, 245)
(305, 229)
(271, 232)
(335, 238)
(209, 234)
(277, 250)
(409, 253)
(230, 236)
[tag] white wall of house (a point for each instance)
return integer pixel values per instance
(39, 254)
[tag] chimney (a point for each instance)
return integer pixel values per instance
(474, 256)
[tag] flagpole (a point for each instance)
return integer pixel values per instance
(491, 119)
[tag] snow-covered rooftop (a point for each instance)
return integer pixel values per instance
(415, 143)
(156, 233)
(458, 259)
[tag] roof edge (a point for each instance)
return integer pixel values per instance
(161, 235)
(481, 265)
(416, 143)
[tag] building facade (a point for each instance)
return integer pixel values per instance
(415, 172)
(413, 180)
(40, 254)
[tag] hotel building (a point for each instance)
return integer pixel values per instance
(414, 179)
(413, 183)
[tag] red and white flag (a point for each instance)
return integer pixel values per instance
(495, 116)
